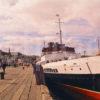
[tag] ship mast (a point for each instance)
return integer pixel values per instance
(60, 31)
(44, 43)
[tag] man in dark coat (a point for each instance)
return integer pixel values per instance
(0, 63)
(4, 66)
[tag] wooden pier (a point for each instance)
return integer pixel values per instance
(21, 84)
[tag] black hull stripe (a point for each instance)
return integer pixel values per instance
(87, 81)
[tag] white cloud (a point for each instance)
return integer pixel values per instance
(38, 17)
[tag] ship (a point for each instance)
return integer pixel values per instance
(61, 64)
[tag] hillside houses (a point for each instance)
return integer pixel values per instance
(15, 58)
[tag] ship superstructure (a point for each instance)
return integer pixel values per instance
(57, 52)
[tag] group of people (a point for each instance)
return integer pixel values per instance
(38, 71)
(3, 65)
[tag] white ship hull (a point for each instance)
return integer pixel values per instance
(81, 72)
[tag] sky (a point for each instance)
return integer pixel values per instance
(26, 24)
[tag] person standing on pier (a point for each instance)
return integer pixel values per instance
(4, 64)
(38, 71)
(34, 67)
(0, 63)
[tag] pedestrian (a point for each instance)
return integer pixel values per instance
(0, 63)
(4, 64)
(34, 67)
(23, 67)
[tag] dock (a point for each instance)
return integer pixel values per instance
(21, 84)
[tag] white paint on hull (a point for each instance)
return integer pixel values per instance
(76, 66)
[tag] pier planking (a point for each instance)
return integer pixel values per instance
(21, 84)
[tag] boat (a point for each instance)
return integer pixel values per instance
(61, 64)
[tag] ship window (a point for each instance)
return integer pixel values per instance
(47, 61)
(65, 58)
(50, 70)
(71, 68)
(53, 70)
(56, 70)
(80, 69)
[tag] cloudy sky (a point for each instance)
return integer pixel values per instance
(25, 24)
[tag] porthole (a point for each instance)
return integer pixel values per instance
(80, 68)
(47, 61)
(71, 68)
